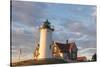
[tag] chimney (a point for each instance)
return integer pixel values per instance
(66, 41)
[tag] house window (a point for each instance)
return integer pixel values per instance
(74, 55)
(61, 54)
(55, 49)
(56, 52)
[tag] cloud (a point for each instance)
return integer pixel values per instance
(28, 16)
(87, 49)
(80, 32)
(88, 52)
(20, 30)
(94, 12)
(24, 12)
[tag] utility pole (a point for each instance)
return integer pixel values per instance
(20, 52)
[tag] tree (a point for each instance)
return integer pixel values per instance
(94, 57)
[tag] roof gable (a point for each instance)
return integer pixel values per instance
(66, 47)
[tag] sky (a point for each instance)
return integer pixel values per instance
(71, 22)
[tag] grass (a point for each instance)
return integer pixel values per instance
(37, 62)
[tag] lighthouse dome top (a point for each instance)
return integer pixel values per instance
(47, 25)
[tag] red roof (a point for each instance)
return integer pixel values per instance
(65, 47)
(61, 46)
(82, 58)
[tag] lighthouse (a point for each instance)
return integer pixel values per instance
(45, 40)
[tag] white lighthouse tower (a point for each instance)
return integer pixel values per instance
(45, 40)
